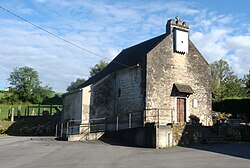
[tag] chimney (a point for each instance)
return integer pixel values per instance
(176, 24)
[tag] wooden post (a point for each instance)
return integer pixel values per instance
(33, 112)
(28, 111)
(39, 109)
(18, 112)
(61, 130)
(67, 129)
(12, 114)
(50, 110)
(25, 111)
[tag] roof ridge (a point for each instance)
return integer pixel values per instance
(129, 56)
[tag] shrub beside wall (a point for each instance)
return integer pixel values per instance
(234, 106)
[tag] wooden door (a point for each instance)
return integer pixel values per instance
(181, 110)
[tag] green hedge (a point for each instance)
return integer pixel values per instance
(233, 106)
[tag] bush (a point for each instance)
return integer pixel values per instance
(234, 106)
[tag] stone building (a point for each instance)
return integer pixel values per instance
(149, 86)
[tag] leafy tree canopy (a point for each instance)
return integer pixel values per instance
(224, 82)
(27, 86)
(75, 84)
(98, 67)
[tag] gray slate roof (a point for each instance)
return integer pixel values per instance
(130, 56)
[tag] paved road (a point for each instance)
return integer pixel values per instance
(26, 152)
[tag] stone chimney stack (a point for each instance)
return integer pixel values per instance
(176, 24)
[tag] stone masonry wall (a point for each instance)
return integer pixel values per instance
(120, 94)
(164, 68)
(72, 106)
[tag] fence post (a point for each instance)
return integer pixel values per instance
(33, 112)
(67, 128)
(129, 120)
(50, 110)
(18, 112)
(117, 123)
(28, 110)
(39, 109)
(12, 114)
(61, 130)
(25, 111)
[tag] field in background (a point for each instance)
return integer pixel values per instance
(30, 110)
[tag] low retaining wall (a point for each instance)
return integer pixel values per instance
(142, 136)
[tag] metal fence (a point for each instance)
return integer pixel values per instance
(74, 127)
(159, 116)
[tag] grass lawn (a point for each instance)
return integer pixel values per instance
(4, 109)
(33, 109)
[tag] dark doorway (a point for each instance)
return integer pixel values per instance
(181, 110)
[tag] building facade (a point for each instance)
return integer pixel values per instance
(161, 81)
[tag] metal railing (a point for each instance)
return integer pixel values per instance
(73, 127)
(159, 116)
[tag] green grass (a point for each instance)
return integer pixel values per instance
(4, 109)
(5, 94)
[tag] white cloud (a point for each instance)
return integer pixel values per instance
(105, 28)
(217, 38)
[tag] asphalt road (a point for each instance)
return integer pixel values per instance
(27, 152)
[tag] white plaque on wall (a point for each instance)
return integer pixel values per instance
(181, 41)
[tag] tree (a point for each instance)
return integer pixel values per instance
(41, 93)
(224, 82)
(246, 82)
(98, 67)
(93, 71)
(25, 81)
(75, 84)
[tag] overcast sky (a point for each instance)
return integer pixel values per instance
(219, 29)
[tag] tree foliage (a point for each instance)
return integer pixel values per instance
(246, 82)
(98, 67)
(73, 85)
(27, 86)
(224, 82)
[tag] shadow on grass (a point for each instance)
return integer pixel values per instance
(33, 126)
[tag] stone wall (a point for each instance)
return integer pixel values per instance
(119, 98)
(72, 106)
(164, 68)
(102, 94)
